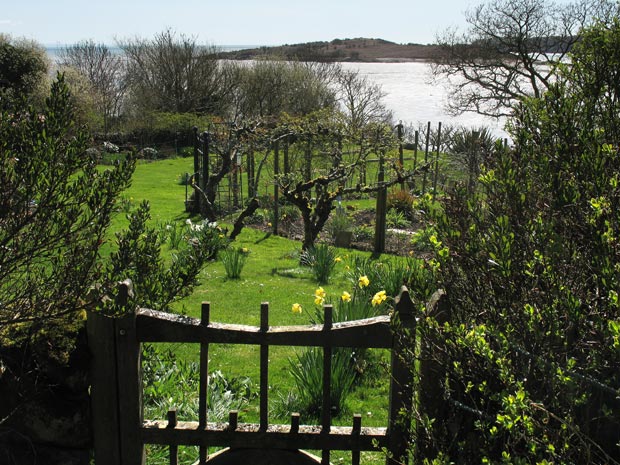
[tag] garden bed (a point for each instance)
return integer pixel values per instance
(397, 241)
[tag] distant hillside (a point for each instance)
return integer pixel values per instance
(358, 50)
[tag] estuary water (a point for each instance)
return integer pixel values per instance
(413, 99)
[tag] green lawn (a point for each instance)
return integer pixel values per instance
(272, 274)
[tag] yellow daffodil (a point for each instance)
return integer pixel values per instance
(244, 250)
(363, 281)
(318, 301)
(337, 259)
(296, 308)
(346, 297)
(320, 292)
(378, 298)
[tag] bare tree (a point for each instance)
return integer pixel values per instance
(361, 100)
(271, 86)
(174, 73)
(104, 70)
(510, 50)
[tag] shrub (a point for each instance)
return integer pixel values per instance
(401, 201)
(173, 383)
(148, 153)
(529, 261)
(322, 260)
(109, 147)
(233, 259)
(396, 219)
(363, 233)
(339, 222)
(307, 372)
(173, 234)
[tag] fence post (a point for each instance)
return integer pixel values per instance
(381, 208)
(103, 388)
(401, 158)
(193, 206)
(401, 384)
(204, 165)
(428, 136)
(437, 161)
(276, 190)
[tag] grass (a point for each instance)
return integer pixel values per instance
(271, 274)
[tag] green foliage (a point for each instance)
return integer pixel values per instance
(172, 383)
(531, 266)
(158, 283)
(173, 234)
(185, 179)
(321, 258)
(54, 210)
(233, 259)
(396, 219)
(23, 67)
(402, 202)
(307, 371)
(340, 222)
(390, 276)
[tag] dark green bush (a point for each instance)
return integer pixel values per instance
(530, 264)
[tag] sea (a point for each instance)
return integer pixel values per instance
(409, 93)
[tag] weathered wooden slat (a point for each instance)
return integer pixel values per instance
(154, 326)
(205, 314)
(294, 423)
(326, 411)
(233, 420)
(264, 369)
(357, 428)
(173, 449)
(276, 436)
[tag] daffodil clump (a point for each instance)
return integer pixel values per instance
(348, 306)
(319, 296)
(378, 298)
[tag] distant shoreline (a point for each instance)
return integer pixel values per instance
(360, 50)
(363, 50)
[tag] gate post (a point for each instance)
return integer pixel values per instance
(401, 383)
(129, 381)
(116, 386)
(103, 388)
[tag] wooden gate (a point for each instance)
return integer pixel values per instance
(121, 431)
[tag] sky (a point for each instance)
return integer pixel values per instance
(234, 22)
